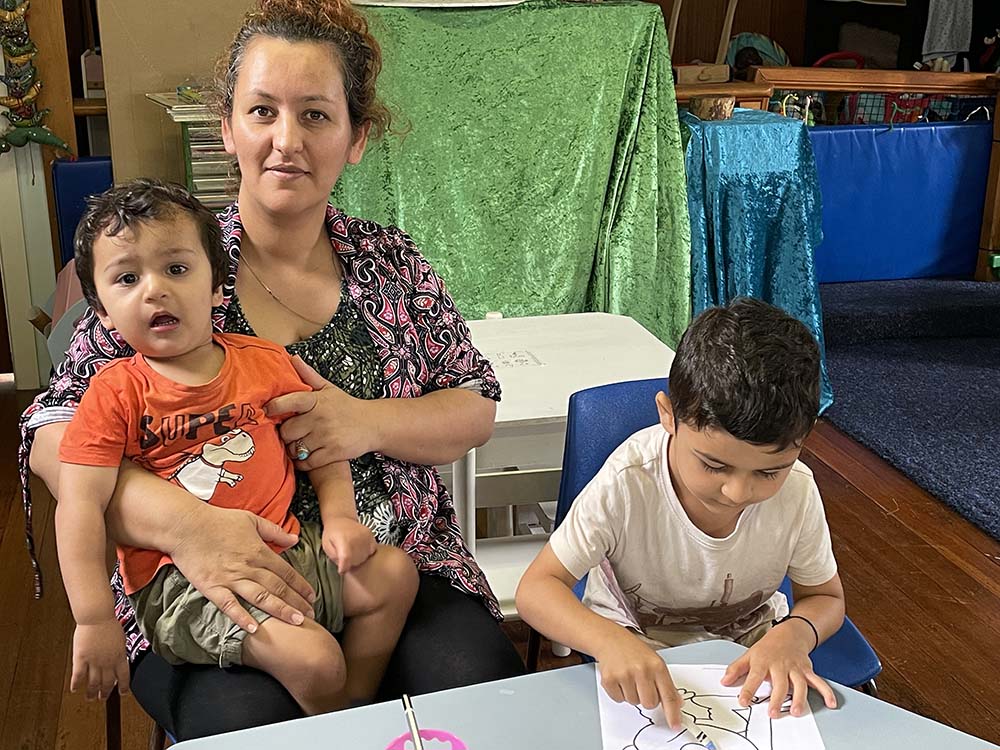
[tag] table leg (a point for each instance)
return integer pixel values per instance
(463, 492)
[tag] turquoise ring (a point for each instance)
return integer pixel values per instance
(301, 452)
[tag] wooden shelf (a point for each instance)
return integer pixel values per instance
(89, 107)
(742, 90)
(846, 79)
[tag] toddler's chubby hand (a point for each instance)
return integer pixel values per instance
(99, 659)
(781, 658)
(633, 672)
(348, 543)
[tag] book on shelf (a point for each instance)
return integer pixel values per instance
(180, 109)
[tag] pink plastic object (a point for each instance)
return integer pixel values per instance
(428, 734)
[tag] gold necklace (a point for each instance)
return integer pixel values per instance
(275, 297)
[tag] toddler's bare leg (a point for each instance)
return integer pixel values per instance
(305, 658)
(377, 598)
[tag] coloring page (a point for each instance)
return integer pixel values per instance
(712, 714)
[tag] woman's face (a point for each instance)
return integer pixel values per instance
(290, 130)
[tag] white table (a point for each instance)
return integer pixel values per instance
(540, 362)
(557, 710)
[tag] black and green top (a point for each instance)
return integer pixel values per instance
(343, 351)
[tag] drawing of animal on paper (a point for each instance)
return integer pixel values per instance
(714, 713)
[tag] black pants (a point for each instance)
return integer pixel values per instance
(449, 640)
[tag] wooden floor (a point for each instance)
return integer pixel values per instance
(922, 584)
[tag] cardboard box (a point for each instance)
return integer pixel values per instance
(151, 47)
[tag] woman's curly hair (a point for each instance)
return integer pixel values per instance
(334, 22)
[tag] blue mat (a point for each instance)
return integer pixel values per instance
(915, 368)
(903, 203)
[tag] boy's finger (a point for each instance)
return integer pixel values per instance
(736, 670)
(631, 692)
(800, 693)
(123, 676)
(108, 682)
(670, 699)
(753, 681)
(614, 692)
(823, 688)
(779, 691)
(77, 680)
(649, 694)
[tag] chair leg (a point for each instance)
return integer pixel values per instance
(157, 737)
(534, 646)
(870, 688)
(113, 721)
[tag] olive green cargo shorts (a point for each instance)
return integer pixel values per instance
(185, 627)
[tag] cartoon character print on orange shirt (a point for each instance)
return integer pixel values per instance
(201, 474)
(193, 450)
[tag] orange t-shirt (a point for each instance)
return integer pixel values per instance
(214, 440)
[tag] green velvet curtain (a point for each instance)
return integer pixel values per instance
(541, 169)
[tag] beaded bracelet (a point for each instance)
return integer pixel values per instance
(806, 621)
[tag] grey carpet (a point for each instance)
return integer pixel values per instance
(915, 368)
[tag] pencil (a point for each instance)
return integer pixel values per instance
(411, 719)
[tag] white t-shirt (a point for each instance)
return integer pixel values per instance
(654, 571)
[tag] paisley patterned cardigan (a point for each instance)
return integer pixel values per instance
(421, 341)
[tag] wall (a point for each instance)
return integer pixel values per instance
(700, 25)
(152, 47)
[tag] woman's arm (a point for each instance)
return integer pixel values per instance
(459, 390)
(222, 552)
(436, 428)
(44, 456)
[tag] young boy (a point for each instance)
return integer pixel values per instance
(690, 526)
(189, 407)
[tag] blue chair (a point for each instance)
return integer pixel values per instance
(73, 181)
(599, 420)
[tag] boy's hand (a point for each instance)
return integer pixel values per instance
(99, 660)
(633, 672)
(348, 543)
(781, 657)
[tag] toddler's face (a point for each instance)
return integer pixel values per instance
(155, 283)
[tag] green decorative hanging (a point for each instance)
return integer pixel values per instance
(25, 122)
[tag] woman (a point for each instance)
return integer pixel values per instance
(398, 385)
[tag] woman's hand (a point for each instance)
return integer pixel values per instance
(332, 425)
(436, 428)
(222, 552)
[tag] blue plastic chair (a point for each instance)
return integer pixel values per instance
(73, 181)
(599, 420)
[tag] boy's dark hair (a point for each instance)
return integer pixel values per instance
(137, 202)
(750, 369)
